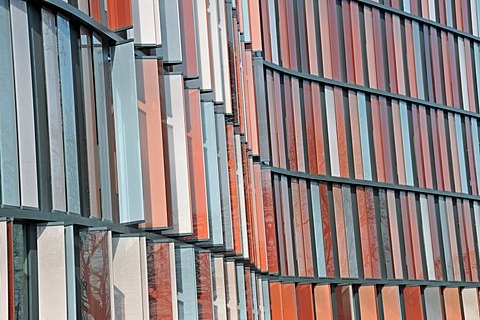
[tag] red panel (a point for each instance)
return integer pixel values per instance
(304, 297)
(413, 303)
(204, 286)
(159, 280)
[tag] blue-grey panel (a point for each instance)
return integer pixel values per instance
(9, 174)
(54, 111)
(186, 283)
(349, 231)
(68, 110)
(102, 127)
(70, 273)
(318, 230)
(211, 173)
(266, 300)
(242, 303)
(130, 190)
(224, 181)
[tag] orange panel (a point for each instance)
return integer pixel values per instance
(276, 301)
(451, 299)
(196, 164)
(368, 302)
(119, 14)
(288, 303)
(391, 303)
(304, 302)
(323, 302)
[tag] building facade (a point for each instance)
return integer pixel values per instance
(239, 159)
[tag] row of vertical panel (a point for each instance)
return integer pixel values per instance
(73, 146)
(319, 229)
(328, 130)
(377, 49)
(127, 277)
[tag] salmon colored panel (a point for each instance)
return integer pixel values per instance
(407, 238)
(399, 55)
(311, 31)
(341, 234)
(377, 139)
(414, 228)
(232, 178)
(327, 230)
(307, 241)
(444, 152)
(387, 152)
(319, 139)
(437, 79)
(391, 303)
(298, 236)
(355, 129)
(119, 14)
(291, 40)
(196, 164)
(370, 46)
(11, 272)
(453, 239)
(344, 299)
(325, 39)
(288, 303)
(452, 52)
(409, 46)
(348, 39)
(151, 144)
(390, 47)
(436, 150)
(310, 124)
(470, 252)
(265, 15)
(189, 45)
(323, 302)
(255, 25)
(418, 146)
(251, 107)
(270, 229)
(334, 38)
(279, 220)
(341, 133)
(261, 225)
(204, 286)
(304, 296)
(248, 293)
(159, 280)
(276, 301)
(425, 147)
(451, 299)
(413, 303)
(378, 49)
(368, 302)
(470, 83)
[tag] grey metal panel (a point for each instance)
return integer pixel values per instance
(463, 74)
(127, 134)
(70, 271)
(177, 154)
(332, 132)
(349, 231)
(461, 153)
(266, 299)
(273, 29)
(418, 60)
(68, 110)
(407, 153)
(3, 271)
(476, 150)
(211, 173)
(427, 238)
(261, 107)
(170, 22)
(102, 127)
(24, 98)
(433, 304)
(10, 185)
(362, 119)
(447, 253)
(318, 230)
(242, 303)
(224, 181)
(55, 119)
(246, 22)
(253, 284)
(186, 283)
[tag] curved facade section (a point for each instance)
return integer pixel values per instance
(248, 159)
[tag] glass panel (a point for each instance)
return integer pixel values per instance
(24, 99)
(95, 273)
(128, 278)
(127, 135)
(52, 290)
(20, 272)
(8, 135)
(186, 283)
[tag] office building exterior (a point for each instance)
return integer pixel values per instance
(239, 159)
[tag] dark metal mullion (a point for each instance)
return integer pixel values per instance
(367, 90)
(40, 106)
(369, 183)
(32, 273)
